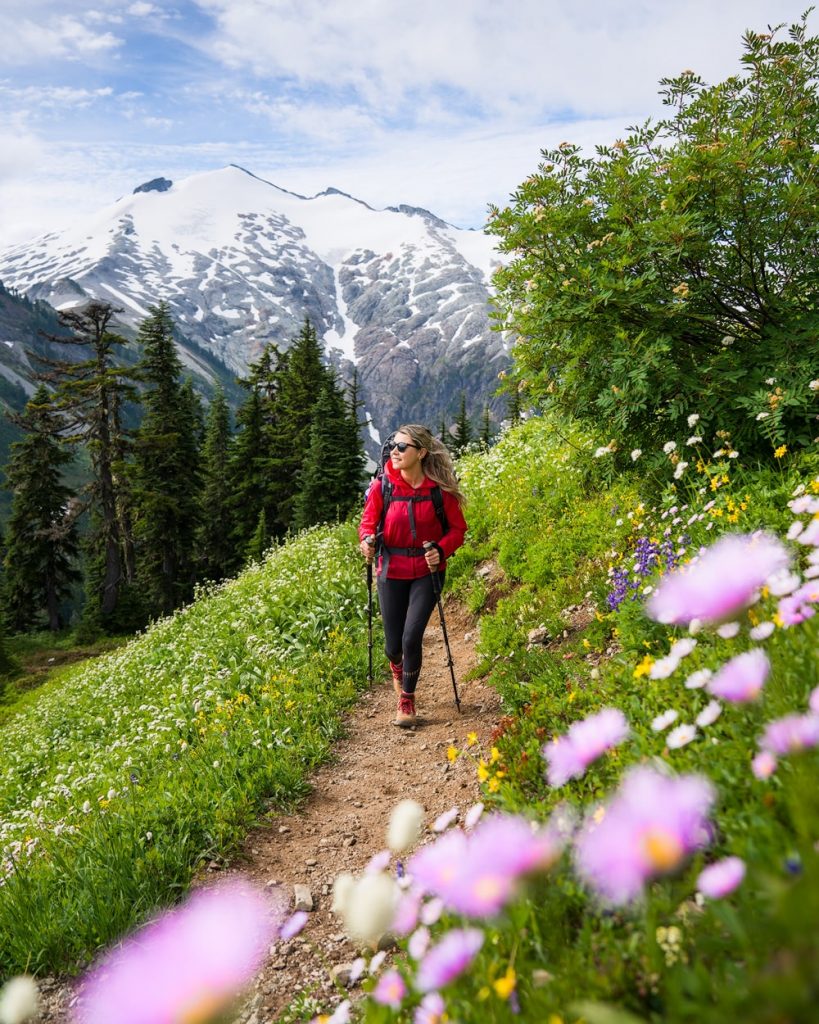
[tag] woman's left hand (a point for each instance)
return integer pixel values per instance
(433, 557)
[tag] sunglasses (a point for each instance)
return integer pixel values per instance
(402, 445)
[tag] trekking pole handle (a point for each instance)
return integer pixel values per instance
(370, 540)
(426, 546)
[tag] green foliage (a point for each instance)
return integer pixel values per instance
(329, 483)
(165, 472)
(41, 543)
(213, 543)
(463, 428)
(122, 778)
(90, 394)
(675, 271)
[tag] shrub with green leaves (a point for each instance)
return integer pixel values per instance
(677, 268)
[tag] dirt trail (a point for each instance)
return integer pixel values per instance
(344, 821)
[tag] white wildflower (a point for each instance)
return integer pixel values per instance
(636, 453)
(404, 829)
(664, 720)
(814, 385)
(443, 821)
(796, 527)
(669, 447)
(369, 907)
(342, 887)
(783, 582)
(762, 631)
(19, 1000)
(663, 667)
(377, 961)
(728, 631)
(693, 418)
(694, 439)
(709, 714)
(681, 736)
(681, 467)
(602, 451)
(698, 679)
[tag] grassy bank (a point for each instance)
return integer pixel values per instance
(122, 777)
(563, 635)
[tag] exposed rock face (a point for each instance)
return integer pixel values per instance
(398, 293)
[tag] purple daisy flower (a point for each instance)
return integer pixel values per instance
(649, 827)
(390, 990)
(478, 875)
(431, 1009)
(721, 582)
(721, 878)
(187, 965)
(741, 679)
(293, 925)
(791, 734)
(449, 958)
(569, 756)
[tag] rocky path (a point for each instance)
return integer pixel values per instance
(343, 823)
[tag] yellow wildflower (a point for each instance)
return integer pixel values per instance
(483, 771)
(780, 451)
(493, 785)
(778, 620)
(452, 754)
(505, 986)
(494, 755)
(471, 739)
(644, 667)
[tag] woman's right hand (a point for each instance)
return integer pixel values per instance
(367, 549)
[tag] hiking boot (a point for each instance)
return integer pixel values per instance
(397, 676)
(405, 716)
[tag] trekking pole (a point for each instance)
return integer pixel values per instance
(436, 586)
(371, 542)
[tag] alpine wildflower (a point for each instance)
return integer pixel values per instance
(721, 878)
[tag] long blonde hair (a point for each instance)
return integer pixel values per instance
(437, 463)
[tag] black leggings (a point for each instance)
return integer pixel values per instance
(406, 606)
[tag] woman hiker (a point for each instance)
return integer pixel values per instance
(423, 503)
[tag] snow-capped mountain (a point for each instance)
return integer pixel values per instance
(240, 262)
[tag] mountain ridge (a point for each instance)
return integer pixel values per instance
(398, 293)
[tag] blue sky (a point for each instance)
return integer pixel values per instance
(437, 103)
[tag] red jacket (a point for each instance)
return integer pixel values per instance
(397, 528)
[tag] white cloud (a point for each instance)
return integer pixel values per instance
(601, 57)
(143, 10)
(26, 41)
(55, 96)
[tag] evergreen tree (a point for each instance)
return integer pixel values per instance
(463, 428)
(165, 471)
(41, 540)
(331, 476)
(486, 428)
(513, 409)
(259, 542)
(214, 544)
(301, 385)
(247, 482)
(89, 395)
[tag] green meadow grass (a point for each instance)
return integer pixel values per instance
(122, 777)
